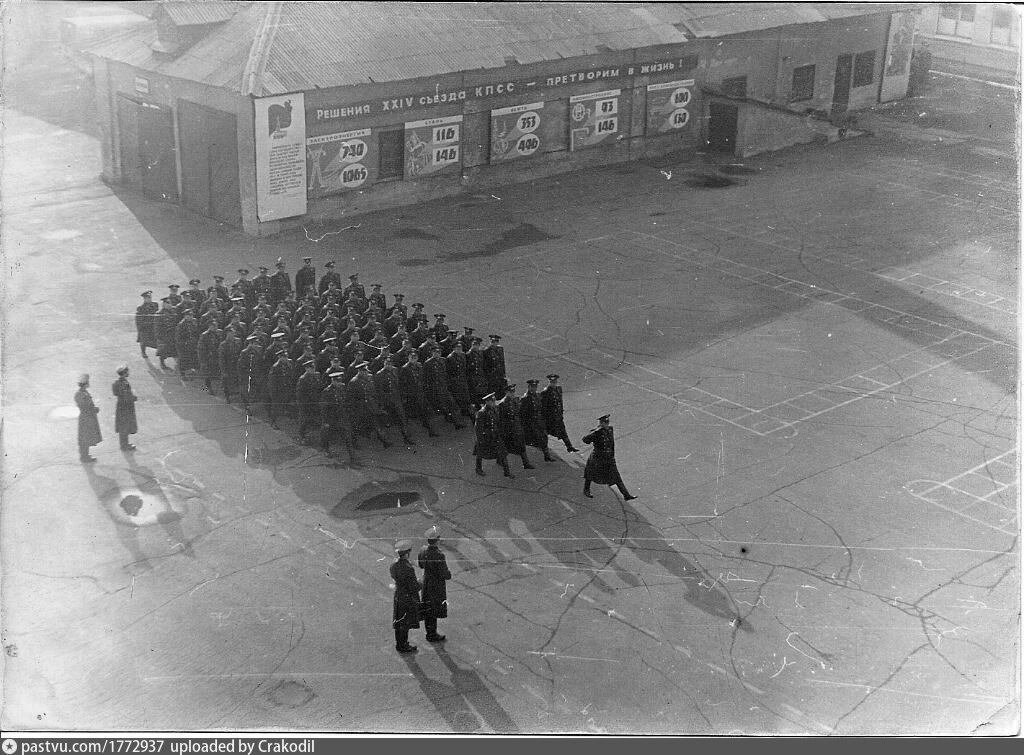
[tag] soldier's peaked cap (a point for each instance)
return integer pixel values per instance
(218, 277)
(467, 329)
(417, 305)
(377, 285)
(173, 285)
(403, 545)
(440, 315)
(399, 296)
(122, 369)
(353, 276)
(307, 259)
(361, 365)
(603, 418)
(83, 378)
(533, 381)
(433, 533)
(263, 268)
(146, 293)
(552, 376)
(243, 271)
(280, 262)
(336, 374)
(488, 397)
(329, 264)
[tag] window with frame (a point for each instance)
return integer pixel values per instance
(1001, 21)
(956, 19)
(803, 84)
(391, 147)
(735, 87)
(863, 68)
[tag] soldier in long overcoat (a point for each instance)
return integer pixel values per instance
(458, 380)
(186, 341)
(389, 396)
(434, 598)
(307, 397)
(250, 372)
(334, 416)
(280, 284)
(363, 407)
(411, 384)
(551, 404)
(88, 426)
(406, 605)
(531, 415)
(476, 375)
(328, 276)
(227, 357)
(208, 356)
(601, 467)
(305, 277)
(166, 326)
(494, 365)
(280, 387)
(145, 323)
(489, 444)
(124, 415)
(439, 398)
(511, 425)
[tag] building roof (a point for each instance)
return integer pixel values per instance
(267, 48)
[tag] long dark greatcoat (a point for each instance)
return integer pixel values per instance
(601, 464)
(406, 614)
(304, 277)
(281, 382)
(227, 355)
(511, 426)
(476, 376)
(551, 406)
(489, 444)
(124, 415)
(207, 351)
(186, 338)
(531, 415)
(457, 380)
(435, 574)
(435, 381)
(166, 325)
(494, 367)
(250, 373)
(145, 323)
(88, 426)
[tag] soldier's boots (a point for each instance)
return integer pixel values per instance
(142, 350)
(436, 637)
(548, 456)
(407, 648)
(163, 364)
(480, 467)
(408, 441)
(526, 462)
(586, 489)
(508, 473)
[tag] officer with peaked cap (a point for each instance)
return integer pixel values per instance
(244, 286)
(362, 396)
(173, 295)
(88, 426)
(305, 277)
(280, 283)
(250, 372)
(166, 325)
(412, 386)
(228, 352)
(389, 395)
(261, 284)
(355, 286)
(531, 414)
(124, 415)
(307, 397)
(399, 306)
(328, 276)
(601, 467)
(219, 289)
(434, 601)
(406, 605)
(440, 328)
(186, 341)
(145, 323)
(435, 383)
(458, 380)
(551, 405)
(511, 425)
(476, 374)
(466, 339)
(377, 298)
(334, 416)
(494, 365)
(489, 444)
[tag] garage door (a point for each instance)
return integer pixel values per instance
(209, 162)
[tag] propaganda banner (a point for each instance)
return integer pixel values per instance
(593, 119)
(669, 106)
(432, 146)
(280, 136)
(340, 162)
(515, 132)
(900, 45)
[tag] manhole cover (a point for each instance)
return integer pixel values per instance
(291, 694)
(390, 500)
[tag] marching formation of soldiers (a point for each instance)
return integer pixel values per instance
(346, 363)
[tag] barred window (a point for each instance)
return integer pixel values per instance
(864, 68)
(803, 83)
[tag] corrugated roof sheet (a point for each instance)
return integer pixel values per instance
(320, 45)
(197, 12)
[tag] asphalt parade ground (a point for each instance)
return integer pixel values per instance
(811, 372)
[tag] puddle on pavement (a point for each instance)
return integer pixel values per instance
(416, 233)
(404, 495)
(710, 182)
(390, 501)
(523, 234)
(737, 170)
(291, 694)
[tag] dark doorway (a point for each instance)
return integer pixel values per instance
(209, 162)
(128, 142)
(156, 153)
(841, 90)
(722, 127)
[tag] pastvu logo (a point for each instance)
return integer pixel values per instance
(9, 747)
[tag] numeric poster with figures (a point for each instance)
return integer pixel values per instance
(432, 146)
(593, 119)
(669, 106)
(340, 162)
(515, 132)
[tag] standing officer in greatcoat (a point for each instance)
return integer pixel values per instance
(207, 355)
(166, 326)
(124, 415)
(250, 372)
(393, 323)
(88, 426)
(489, 444)
(458, 380)
(334, 416)
(494, 365)
(400, 307)
(476, 374)
(406, 605)
(551, 404)
(466, 339)
(601, 467)
(280, 387)
(362, 398)
(434, 598)
(355, 286)
(435, 380)
(511, 425)
(440, 327)
(328, 276)
(307, 398)
(186, 341)
(411, 385)
(415, 317)
(389, 396)
(220, 291)
(174, 296)
(531, 414)
(261, 285)
(377, 297)
(145, 323)
(227, 356)
(280, 284)
(244, 286)
(305, 277)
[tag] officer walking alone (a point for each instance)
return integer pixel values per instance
(601, 467)
(435, 595)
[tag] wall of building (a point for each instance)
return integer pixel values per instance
(973, 44)
(763, 130)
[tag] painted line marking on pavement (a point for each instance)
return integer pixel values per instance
(949, 486)
(569, 657)
(270, 674)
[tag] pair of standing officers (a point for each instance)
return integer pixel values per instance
(416, 601)
(124, 415)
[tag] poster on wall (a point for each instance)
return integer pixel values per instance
(896, 71)
(340, 162)
(593, 119)
(280, 124)
(669, 106)
(432, 145)
(515, 132)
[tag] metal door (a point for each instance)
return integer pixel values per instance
(209, 162)
(722, 127)
(156, 153)
(128, 142)
(841, 89)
